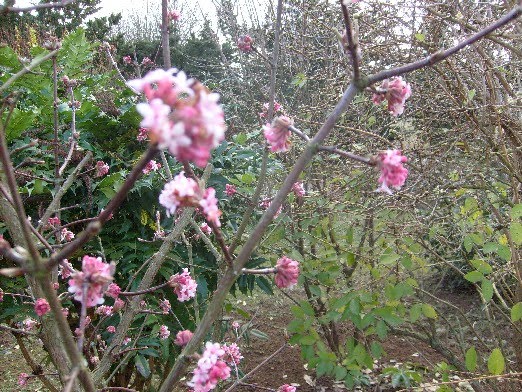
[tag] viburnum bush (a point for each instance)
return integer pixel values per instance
(129, 215)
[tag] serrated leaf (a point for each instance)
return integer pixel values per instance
(415, 312)
(516, 312)
(471, 359)
(496, 363)
(516, 211)
(515, 229)
(474, 276)
(482, 266)
(429, 311)
(487, 289)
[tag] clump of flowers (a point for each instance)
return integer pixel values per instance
(164, 332)
(96, 275)
(101, 169)
(277, 134)
(185, 192)
(151, 166)
(174, 15)
(104, 310)
(244, 43)
(184, 286)
(41, 306)
(393, 173)
(127, 59)
(286, 388)
(111, 329)
(277, 108)
(165, 306)
(205, 228)
(230, 190)
(113, 290)
(287, 272)
(118, 304)
(22, 379)
(66, 235)
(183, 337)
(298, 189)
(232, 354)
(143, 134)
(181, 115)
(395, 91)
(65, 269)
(265, 203)
(147, 62)
(29, 323)
(210, 369)
(54, 221)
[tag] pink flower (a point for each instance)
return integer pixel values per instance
(286, 387)
(393, 174)
(126, 341)
(235, 325)
(65, 312)
(265, 203)
(29, 324)
(152, 165)
(22, 379)
(232, 354)
(164, 332)
(104, 310)
(127, 59)
(94, 360)
(56, 285)
(118, 304)
(54, 221)
(96, 275)
(266, 106)
(206, 228)
(113, 290)
(278, 134)
(165, 306)
(41, 306)
(147, 62)
(101, 169)
(184, 286)
(174, 15)
(183, 337)
(180, 192)
(396, 92)
(65, 269)
(298, 189)
(244, 43)
(230, 190)
(143, 134)
(287, 272)
(1, 295)
(210, 208)
(111, 329)
(210, 369)
(66, 235)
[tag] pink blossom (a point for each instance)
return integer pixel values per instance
(230, 190)
(56, 285)
(266, 202)
(168, 86)
(118, 304)
(126, 341)
(147, 62)
(143, 134)
(235, 325)
(41, 306)
(104, 310)
(54, 221)
(96, 275)
(298, 189)
(1, 295)
(232, 354)
(174, 15)
(180, 192)
(184, 286)
(94, 360)
(210, 208)
(393, 174)
(165, 306)
(183, 337)
(65, 312)
(164, 332)
(22, 379)
(396, 92)
(113, 290)
(29, 324)
(205, 228)
(66, 235)
(210, 369)
(287, 272)
(152, 165)
(266, 106)
(277, 134)
(244, 43)
(65, 269)
(101, 169)
(286, 387)
(111, 329)
(127, 59)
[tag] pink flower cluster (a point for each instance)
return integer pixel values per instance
(96, 275)
(184, 286)
(230, 190)
(127, 59)
(65, 269)
(182, 115)
(22, 379)
(244, 43)
(41, 306)
(210, 369)
(174, 15)
(185, 192)
(232, 354)
(111, 329)
(277, 134)
(286, 388)
(165, 306)
(298, 189)
(147, 62)
(277, 109)
(206, 228)
(287, 272)
(143, 134)
(396, 91)
(54, 221)
(151, 166)
(104, 310)
(393, 174)
(113, 290)
(183, 337)
(164, 332)
(66, 235)
(101, 169)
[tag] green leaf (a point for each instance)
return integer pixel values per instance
(258, 334)
(340, 373)
(264, 285)
(496, 363)
(429, 311)
(142, 365)
(516, 232)
(516, 312)
(18, 123)
(471, 94)
(390, 258)
(468, 243)
(415, 312)
(420, 37)
(516, 211)
(487, 290)
(471, 359)
(482, 266)
(474, 276)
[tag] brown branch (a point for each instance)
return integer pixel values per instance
(58, 4)
(352, 44)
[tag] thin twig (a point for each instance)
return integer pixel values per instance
(58, 4)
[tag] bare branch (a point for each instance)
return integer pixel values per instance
(58, 4)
